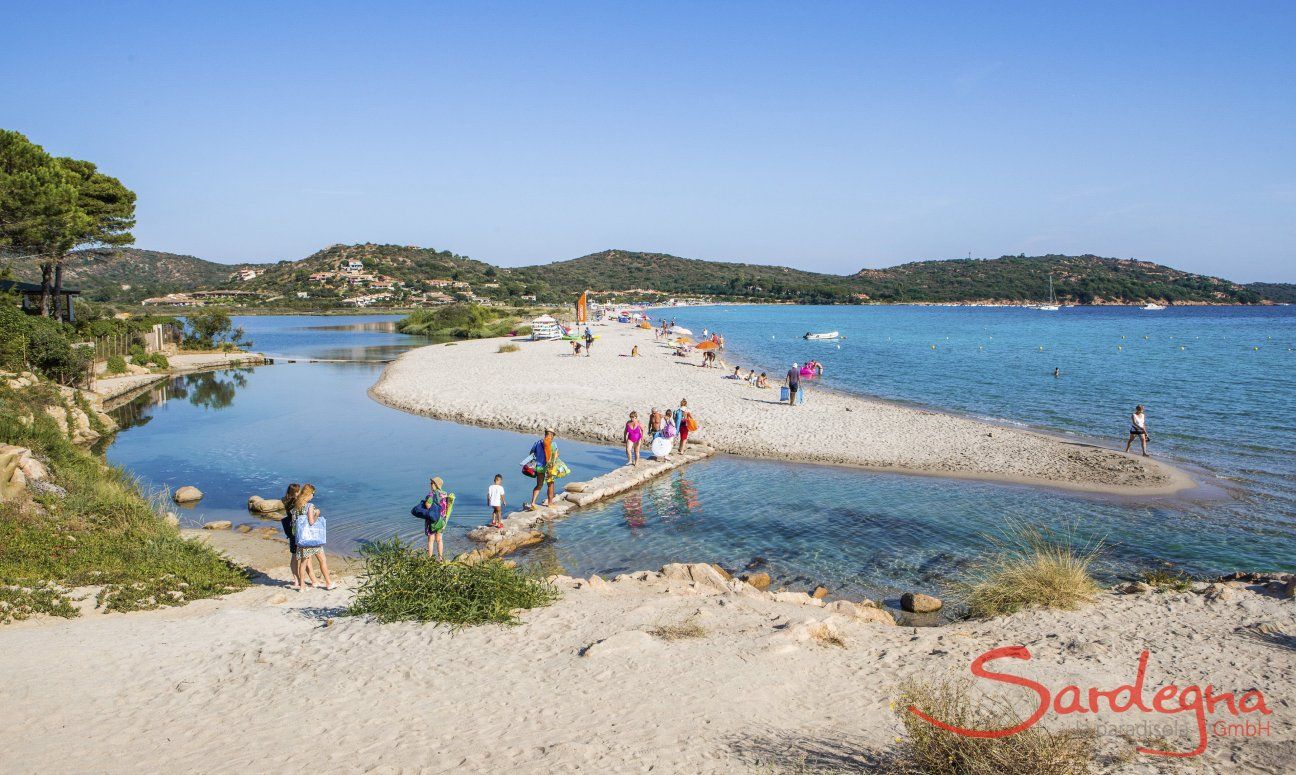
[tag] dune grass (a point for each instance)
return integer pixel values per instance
(508, 348)
(930, 750)
(1167, 580)
(679, 631)
(401, 583)
(1029, 567)
(103, 532)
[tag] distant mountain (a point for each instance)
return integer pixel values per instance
(1076, 279)
(404, 275)
(101, 274)
(1282, 293)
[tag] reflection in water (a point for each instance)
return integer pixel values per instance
(209, 390)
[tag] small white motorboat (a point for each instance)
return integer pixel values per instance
(1152, 306)
(828, 335)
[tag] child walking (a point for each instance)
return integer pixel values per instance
(495, 499)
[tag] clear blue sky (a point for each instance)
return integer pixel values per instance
(828, 136)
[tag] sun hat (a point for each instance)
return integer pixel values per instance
(549, 431)
(437, 481)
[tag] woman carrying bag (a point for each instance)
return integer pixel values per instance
(311, 533)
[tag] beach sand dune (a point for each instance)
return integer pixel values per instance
(543, 384)
(268, 680)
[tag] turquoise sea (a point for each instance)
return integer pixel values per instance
(1219, 385)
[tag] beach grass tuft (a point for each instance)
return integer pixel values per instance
(401, 583)
(1028, 567)
(679, 631)
(1167, 580)
(930, 750)
(508, 348)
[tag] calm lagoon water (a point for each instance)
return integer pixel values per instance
(1217, 404)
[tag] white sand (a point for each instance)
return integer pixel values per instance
(257, 682)
(589, 398)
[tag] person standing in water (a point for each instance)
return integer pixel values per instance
(1138, 429)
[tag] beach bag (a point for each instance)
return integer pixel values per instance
(801, 396)
(783, 393)
(423, 511)
(560, 469)
(668, 431)
(528, 466)
(692, 424)
(309, 535)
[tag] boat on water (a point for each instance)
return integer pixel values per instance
(828, 335)
(1150, 305)
(1052, 305)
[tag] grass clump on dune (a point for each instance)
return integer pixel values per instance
(402, 584)
(102, 532)
(1030, 567)
(508, 348)
(929, 750)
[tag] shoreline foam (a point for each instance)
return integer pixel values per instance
(588, 399)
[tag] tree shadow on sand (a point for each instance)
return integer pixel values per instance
(790, 752)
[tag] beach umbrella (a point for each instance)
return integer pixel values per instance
(646, 325)
(684, 340)
(681, 330)
(707, 346)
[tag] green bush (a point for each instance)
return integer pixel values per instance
(508, 348)
(137, 355)
(41, 344)
(160, 360)
(401, 583)
(116, 364)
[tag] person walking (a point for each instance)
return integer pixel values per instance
(793, 384)
(654, 421)
(495, 499)
(290, 532)
(305, 517)
(684, 423)
(546, 467)
(589, 341)
(439, 504)
(633, 436)
(1138, 429)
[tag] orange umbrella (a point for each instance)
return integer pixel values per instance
(645, 324)
(707, 345)
(684, 340)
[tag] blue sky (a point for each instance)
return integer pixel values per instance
(828, 136)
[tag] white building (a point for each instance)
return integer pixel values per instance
(355, 265)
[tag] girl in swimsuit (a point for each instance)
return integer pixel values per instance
(1138, 429)
(634, 433)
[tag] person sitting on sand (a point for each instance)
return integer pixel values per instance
(762, 381)
(633, 436)
(290, 531)
(737, 373)
(495, 499)
(751, 376)
(304, 513)
(576, 347)
(1138, 429)
(634, 351)
(546, 466)
(439, 503)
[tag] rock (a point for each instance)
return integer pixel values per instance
(1219, 593)
(1290, 589)
(820, 592)
(219, 524)
(244, 528)
(760, 581)
(188, 494)
(597, 582)
(918, 603)
(266, 532)
(1134, 588)
(41, 487)
(796, 598)
(264, 505)
(873, 614)
(575, 487)
(698, 573)
(172, 519)
(726, 575)
(755, 563)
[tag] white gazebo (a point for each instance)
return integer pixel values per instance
(545, 327)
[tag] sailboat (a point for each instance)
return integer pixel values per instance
(1052, 306)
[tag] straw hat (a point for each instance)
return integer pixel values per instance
(436, 480)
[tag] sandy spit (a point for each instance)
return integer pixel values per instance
(269, 680)
(589, 398)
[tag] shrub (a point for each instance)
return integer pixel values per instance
(508, 348)
(137, 354)
(213, 329)
(116, 364)
(401, 583)
(930, 750)
(41, 344)
(1029, 568)
(1161, 578)
(160, 360)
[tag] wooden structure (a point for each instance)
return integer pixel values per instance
(30, 294)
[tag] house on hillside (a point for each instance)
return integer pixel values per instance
(244, 275)
(355, 266)
(29, 295)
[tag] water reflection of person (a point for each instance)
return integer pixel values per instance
(633, 508)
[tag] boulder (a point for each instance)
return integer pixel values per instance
(797, 598)
(219, 524)
(726, 575)
(575, 487)
(1289, 590)
(820, 592)
(264, 505)
(918, 603)
(759, 580)
(244, 529)
(267, 532)
(1219, 593)
(698, 573)
(188, 494)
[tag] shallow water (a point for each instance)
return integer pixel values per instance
(237, 433)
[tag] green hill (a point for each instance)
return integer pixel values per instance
(1076, 279)
(100, 274)
(1282, 293)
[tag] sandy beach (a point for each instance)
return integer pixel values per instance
(268, 680)
(543, 384)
